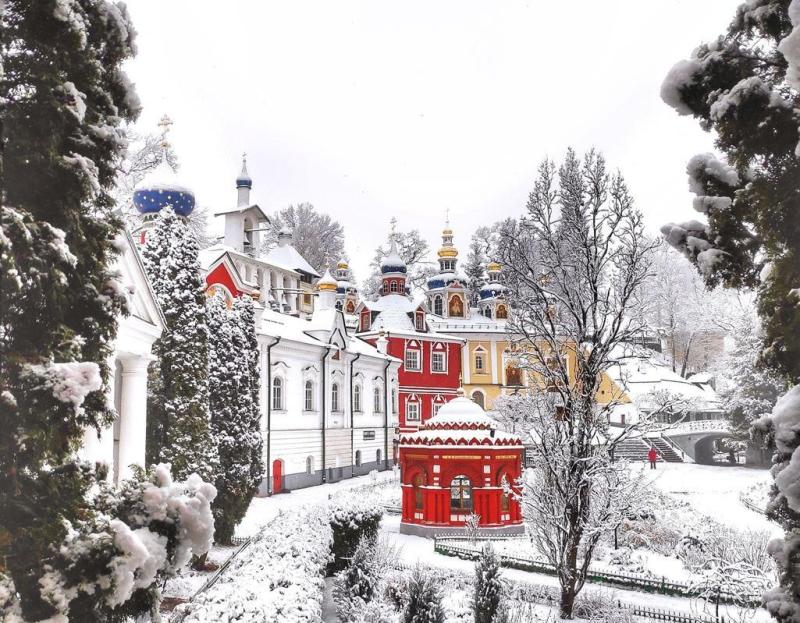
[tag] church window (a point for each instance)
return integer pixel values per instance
(437, 305)
(338, 304)
(308, 396)
(480, 364)
(487, 311)
(412, 359)
(436, 407)
(393, 286)
(438, 362)
(377, 400)
(335, 406)
(420, 321)
(394, 401)
(277, 393)
(309, 465)
(412, 411)
(461, 494)
(357, 398)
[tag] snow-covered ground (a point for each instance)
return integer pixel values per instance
(714, 491)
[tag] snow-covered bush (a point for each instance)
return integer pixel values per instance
(424, 598)
(353, 518)
(489, 586)
(600, 605)
(277, 579)
(357, 584)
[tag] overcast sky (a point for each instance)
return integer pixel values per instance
(375, 109)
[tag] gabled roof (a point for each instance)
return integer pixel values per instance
(244, 208)
(286, 256)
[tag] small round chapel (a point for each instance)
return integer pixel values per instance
(456, 464)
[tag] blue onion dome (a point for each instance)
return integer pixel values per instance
(435, 282)
(490, 290)
(160, 188)
(244, 180)
(393, 263)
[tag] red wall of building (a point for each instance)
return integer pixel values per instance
(221, 276)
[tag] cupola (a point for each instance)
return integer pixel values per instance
(161, 188)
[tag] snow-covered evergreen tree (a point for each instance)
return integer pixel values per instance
(178, 417)
(752, 387)
(423, 599)
(357, 584)
(233, 402)
(744, 86)
(488, 586)
(64, 98)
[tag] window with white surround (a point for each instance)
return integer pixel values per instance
(357, 398)
(412, 411)
(393, 286)
(308, 396)
(437, 305)
(377, 400)
(394, 400)
(438, 362)
(277, 393)
(335, 406)
(309, 465)
(420, 321)
(436, 407)
(412, 359)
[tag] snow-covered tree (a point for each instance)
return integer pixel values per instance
(178, 414)
(233, 402)
(423, 598)
(357, 584)
(488, 586)
(752, 388)
(579, 258)
(414, 250)
(316, 236)
(691, 319)
(744, 87)
(64, 98)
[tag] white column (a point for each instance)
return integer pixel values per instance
(292, 295)
(133, 413)
(495, 355)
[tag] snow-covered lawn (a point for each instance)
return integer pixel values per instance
(714, 491)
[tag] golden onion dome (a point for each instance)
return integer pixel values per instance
(326, 283)
(493, 267)
(447, 232)
(342, 265)
(448, 252)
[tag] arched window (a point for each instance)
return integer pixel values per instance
(277, 393)
(419, 480)
(393, 286)
(335, 397)
(378, 456)
(487, 311)
(420, 321)
(358, 458)
(502, 312)
(461, 493)
(394, 400)
(480, 361)
(357, 398)
(477, 398)
(338, 304)
(308, 396)
(437, 305)
(377, 400)
(309, 465)
(505, 503)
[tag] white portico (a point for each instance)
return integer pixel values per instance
(122, 444)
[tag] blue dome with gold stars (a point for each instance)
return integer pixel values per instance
(161, 188)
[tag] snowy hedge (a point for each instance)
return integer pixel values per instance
(352, 517)
(278, 578)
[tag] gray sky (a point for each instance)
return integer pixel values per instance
(376, 109)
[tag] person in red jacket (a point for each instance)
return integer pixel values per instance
(652, 456)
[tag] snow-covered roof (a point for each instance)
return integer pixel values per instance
(394, 302)
(243, 208)
(210, 255)
(476, 323)
(460, 422)
(289, 257)
(393, 262)
(644, 374)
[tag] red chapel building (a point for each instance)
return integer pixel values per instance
(457, 464)
(431, 372)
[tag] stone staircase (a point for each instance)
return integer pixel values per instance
(666, 450)
(632, 449)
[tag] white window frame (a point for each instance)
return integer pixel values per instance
(308, 396)
(418, 352)
(419, 321)
(436, 407)
(418, 411)
(279, 383)
(357, 392)
(443, 353)
(377, 399)
(336, 398)
(438, 304)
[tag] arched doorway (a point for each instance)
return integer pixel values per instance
(277, 475)
(478, 399)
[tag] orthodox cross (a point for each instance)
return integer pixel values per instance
(164, 123)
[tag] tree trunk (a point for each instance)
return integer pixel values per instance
(567, 601)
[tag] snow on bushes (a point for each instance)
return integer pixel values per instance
(157, 526)
(353, 517)
(277, 579)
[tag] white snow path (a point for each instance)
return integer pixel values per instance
(714, 491)
(262, 510)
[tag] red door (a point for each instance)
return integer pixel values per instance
(277, 476)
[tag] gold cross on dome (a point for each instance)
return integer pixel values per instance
(164, 123)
